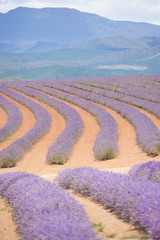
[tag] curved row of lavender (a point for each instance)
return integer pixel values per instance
(148, 135)
(14, 118)
(15, 151)
(153, 108)
(42, 210)
(60, 151)
(148, 87)
(152, 97)
(152, 89)
(106, 141)
(151, 81)
(133, 199)
(147, 170)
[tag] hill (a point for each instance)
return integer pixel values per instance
(66, 39)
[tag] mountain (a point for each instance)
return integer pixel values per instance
(63, 42)
(28, 29)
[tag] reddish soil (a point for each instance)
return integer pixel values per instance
(34, 162)
(3, 117)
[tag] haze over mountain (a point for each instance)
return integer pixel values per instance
(38, 38)
(23, 28)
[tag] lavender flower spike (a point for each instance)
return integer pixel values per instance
(14, 118)
(133, 199)
(43, 210)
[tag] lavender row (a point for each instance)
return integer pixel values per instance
(136, 86)
(129, 92)
(148, 135)
(133, 199)
(60, 151)
(14, 119)
(150, 87)
(14, 152)
(145, 81)
(153, 108)
(147, 170)
(42, 210)
(106, 142)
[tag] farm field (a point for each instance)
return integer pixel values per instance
(106, 123)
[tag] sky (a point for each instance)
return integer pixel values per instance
(127, 10)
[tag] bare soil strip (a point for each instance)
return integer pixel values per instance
(154, 119)
(7, 224)
(3, 117)
(83, 150)
(27, 123)
(130, 153)
(111, 224)
(34, 160)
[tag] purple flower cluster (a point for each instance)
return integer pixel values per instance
(115, 90)
(106, 142)
(153, 108)
(14, 118)
(126, 82)
(43, 210)
(14, 152)
(148, 81)
(148, 170)
(133, 85)
(133, 199)
(60, 151)
(148, 135)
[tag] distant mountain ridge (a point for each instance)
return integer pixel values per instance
(29, 29)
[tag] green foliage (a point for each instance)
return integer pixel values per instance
(108, 154)
(2, 209)
(112, 235)
(98, 226)
(143, 237)
(58, 160)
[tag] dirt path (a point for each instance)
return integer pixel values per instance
(109, 222)
(7, 225)
(154, 119)
(27, 123)
(3, 117)
(34, 159)
(130, 153)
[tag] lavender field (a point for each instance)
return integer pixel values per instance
(83, 127)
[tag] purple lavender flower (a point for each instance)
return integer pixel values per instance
(60, 151)
(148, 135)
(14, 118)
(42, 210)
(106, 142)
(148, 170)
(133, 199)
(14, 152)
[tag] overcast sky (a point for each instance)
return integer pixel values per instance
(132, 10)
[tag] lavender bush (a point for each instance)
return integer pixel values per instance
(148, 170)
(133, 199)
(148, 135)
(43, 210)
(115, 84)
(14, 152)
(153, 108)
(60, 151)
(14, 118)
(152, 97)
(106, 142)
